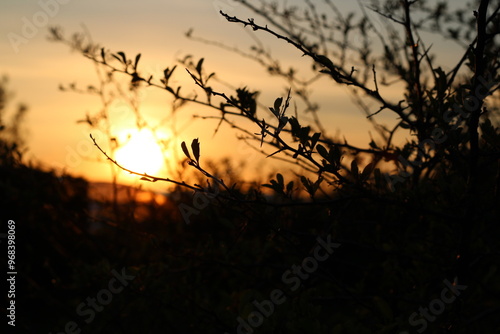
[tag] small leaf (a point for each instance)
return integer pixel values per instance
(195, 147)
(315, 138)
(283, 121)
(277, 105)
(310, 187)
(123, 56)
(118, 58)
(145, 179)
(295, 126)
(304, 134)
(185, 150)
(199, 65)
(171, 71)
(322, 151)
(276, 186)
(335, 155)
(325, 61)
(280, 179)
(273, 111)
(306, 183)
(137, 60)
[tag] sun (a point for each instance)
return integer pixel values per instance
(141, 153)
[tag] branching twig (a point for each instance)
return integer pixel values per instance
(145, 176)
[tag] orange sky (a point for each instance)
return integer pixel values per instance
(155, 29)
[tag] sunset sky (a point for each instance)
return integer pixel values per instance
(156, 30)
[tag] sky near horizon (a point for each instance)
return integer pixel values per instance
(36, 67)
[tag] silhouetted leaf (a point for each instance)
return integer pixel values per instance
(199, 65)
(325, 61)
(304, 134)
(195, 147)
(123, 56)
(322, 151)
(280, 179)
(305, 181)
(209, 76)
(118, 58)
(314, 139)
(185, 150)
(276, 186)
(295, 125)
(282, 123)
(277, 105)
(137, 60)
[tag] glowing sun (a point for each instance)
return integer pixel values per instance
(140, 153)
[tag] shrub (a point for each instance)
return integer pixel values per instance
(408, 217)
